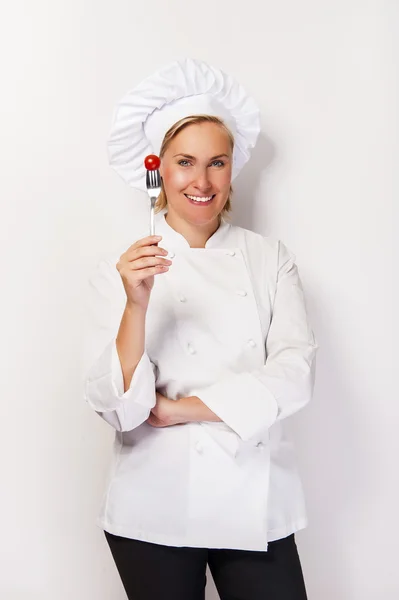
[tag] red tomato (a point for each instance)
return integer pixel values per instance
(152, 162)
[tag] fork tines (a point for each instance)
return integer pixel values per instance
(153, 180)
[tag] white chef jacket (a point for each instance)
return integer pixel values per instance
(226, 323)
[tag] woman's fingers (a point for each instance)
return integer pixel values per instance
(135, 276)
(135, 253)
(151, 240)
(139, 257)
(144, 263)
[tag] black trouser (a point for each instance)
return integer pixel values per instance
(156, 572)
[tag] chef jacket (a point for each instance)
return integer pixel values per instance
(226, 323)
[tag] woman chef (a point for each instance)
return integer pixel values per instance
(202, 349)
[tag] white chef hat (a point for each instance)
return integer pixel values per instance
(181, 89)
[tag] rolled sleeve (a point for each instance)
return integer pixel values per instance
(251, 402)
(104, 386)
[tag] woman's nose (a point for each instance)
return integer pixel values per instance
(202, 181)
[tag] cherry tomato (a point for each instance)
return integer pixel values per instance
(152, 162)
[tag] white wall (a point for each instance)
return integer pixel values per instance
(322, 179)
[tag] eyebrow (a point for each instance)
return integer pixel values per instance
(193, 157)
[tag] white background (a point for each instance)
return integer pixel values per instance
(321, 179)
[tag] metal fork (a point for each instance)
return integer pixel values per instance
(153, 181)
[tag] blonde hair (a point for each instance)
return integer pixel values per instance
(162, 201)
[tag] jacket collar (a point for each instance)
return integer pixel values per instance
(173, 239)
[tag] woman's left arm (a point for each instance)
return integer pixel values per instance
(250, 402)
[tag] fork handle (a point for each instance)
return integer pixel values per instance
(152, 223)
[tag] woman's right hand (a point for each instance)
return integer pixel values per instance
(138, 267)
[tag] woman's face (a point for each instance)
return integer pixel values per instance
(196, 172)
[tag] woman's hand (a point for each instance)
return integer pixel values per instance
(137, 268)
(176, 412)
(165, 413)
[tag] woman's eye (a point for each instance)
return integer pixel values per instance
(185, 163)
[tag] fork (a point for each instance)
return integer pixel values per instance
(153, 182)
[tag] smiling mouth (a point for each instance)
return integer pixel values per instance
(200, 199)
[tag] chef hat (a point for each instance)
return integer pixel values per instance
(181, 89)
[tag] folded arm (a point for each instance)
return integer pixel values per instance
(250, 402)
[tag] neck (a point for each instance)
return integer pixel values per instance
(195, 234)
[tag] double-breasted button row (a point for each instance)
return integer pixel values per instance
(240, 292)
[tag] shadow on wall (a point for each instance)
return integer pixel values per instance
(247, 184)
(335, 489)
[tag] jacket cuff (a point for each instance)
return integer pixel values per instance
(243, 403)
(104, 384)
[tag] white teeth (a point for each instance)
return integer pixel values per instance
(199, 199)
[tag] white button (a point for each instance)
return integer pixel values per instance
(241, 292)
(191, 349)
(231, 253)
(182, 299)
(199, 447)
(251, 343)
(260, 446)
(171, 254)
